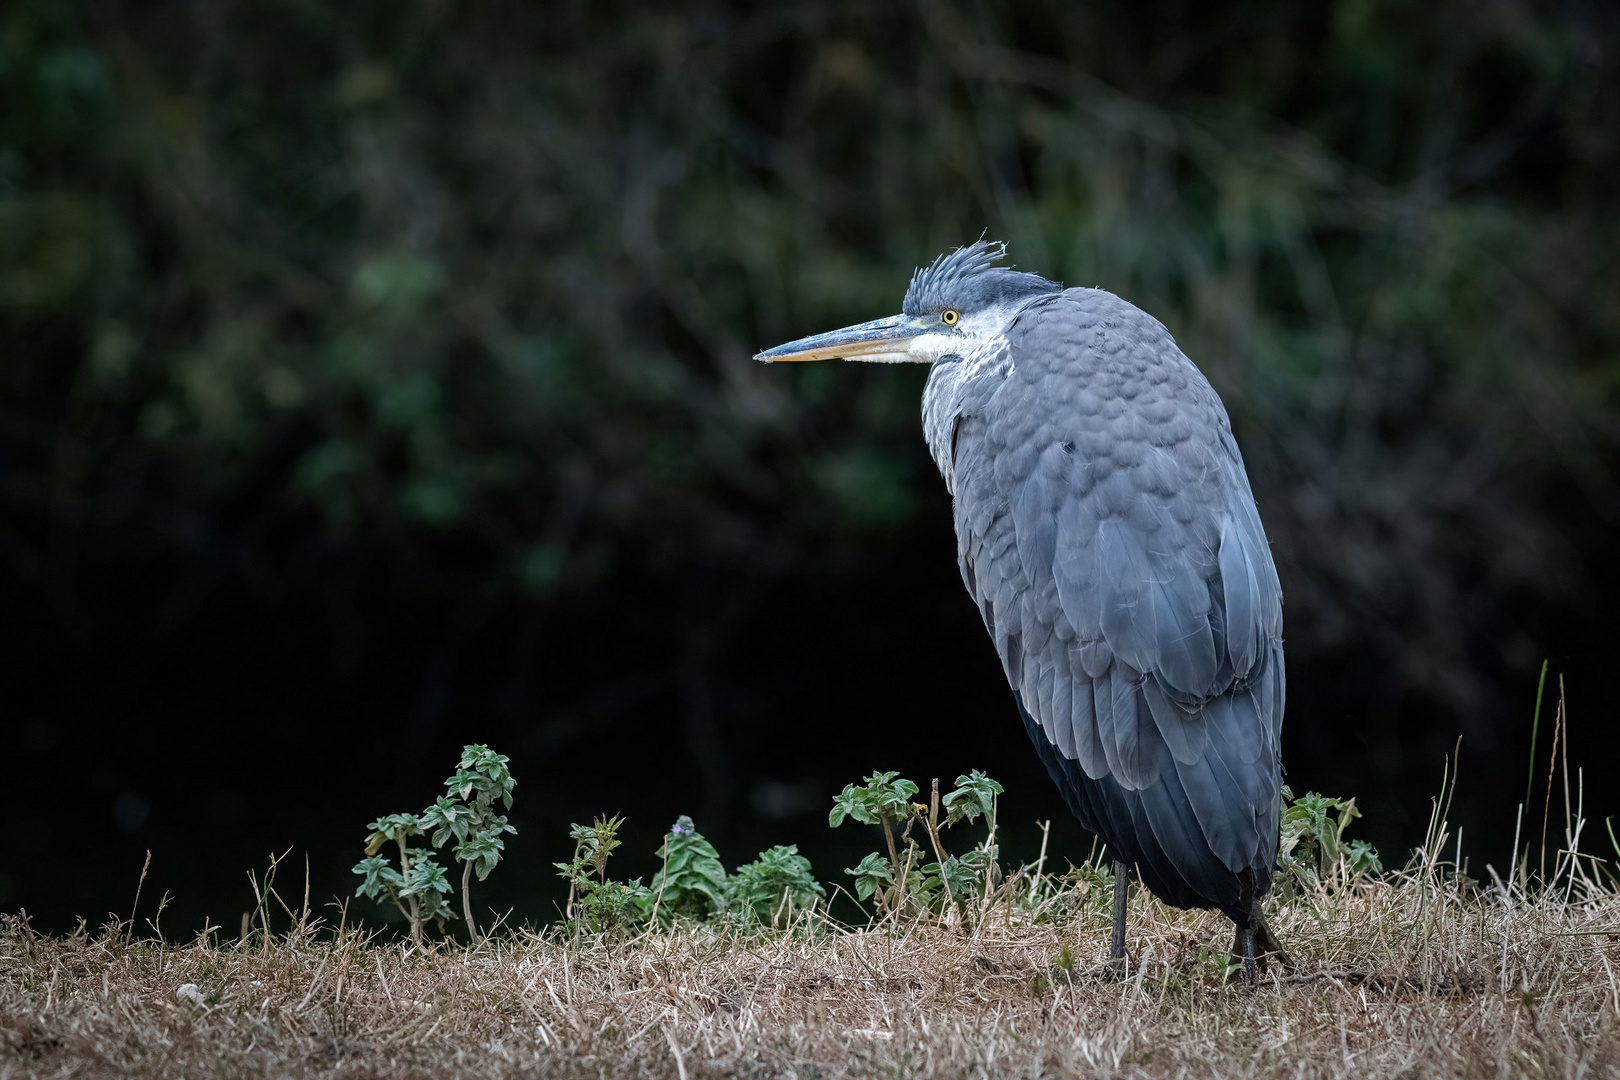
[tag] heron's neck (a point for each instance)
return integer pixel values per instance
(954, 384)
(939, 415)
(965, 363)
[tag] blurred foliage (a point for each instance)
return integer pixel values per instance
(497, 271)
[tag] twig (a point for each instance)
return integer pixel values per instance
(1535, 726)
(383, 978)
(316, 981)
(1040, 863)
(1552, 766)
(129, 927)
(674, 1048)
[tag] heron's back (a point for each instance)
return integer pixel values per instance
(1107, 531)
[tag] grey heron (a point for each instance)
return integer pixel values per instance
(1106, 530)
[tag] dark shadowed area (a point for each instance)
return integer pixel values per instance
(377, 378)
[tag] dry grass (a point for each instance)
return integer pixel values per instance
(1419, 974)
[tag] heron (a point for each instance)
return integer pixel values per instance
(1107, 532)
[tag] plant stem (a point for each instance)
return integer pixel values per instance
(888, 837)
(414, 912)
(989, 862)
(573, 879)
(932, 828)
(466, 902)
(899, 888)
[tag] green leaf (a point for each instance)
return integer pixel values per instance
(975, 795)
(485, 772)
(854, 802)
(1363, 858)
(596, 841)
(965, 874)
(395, 828)
(483, 850)
(463, 783)
(381, 880)
(447, 818)
(882, 794)
(887, 793)
(427, 883)
(871, 874)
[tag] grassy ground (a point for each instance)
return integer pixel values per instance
(1420, 973)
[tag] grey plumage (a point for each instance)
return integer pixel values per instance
(1106, 529)
(1107, 532)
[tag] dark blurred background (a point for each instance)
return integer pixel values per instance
(376, 378)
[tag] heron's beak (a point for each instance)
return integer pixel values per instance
(884, 341)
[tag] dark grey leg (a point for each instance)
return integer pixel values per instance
(1122, 888)
(1266, 943)
(1243, 949)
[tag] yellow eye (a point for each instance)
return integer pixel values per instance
(950, 317)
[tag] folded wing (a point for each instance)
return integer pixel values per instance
(1107, 532)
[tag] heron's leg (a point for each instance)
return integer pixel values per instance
(1243, 949)
(1122, 890)
(1266, 943)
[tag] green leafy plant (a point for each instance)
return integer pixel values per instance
(884, 799)
(775, 885)
(1312, 844)
(419, 887)
(596, 904)
(692, 882)
(467, 814)
(904, 881)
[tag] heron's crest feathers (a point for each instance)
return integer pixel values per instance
(968, 279)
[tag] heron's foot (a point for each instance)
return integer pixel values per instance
(1266, 943)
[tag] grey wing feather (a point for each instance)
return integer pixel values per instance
(1108, 533)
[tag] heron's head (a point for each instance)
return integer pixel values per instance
(955, 302)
